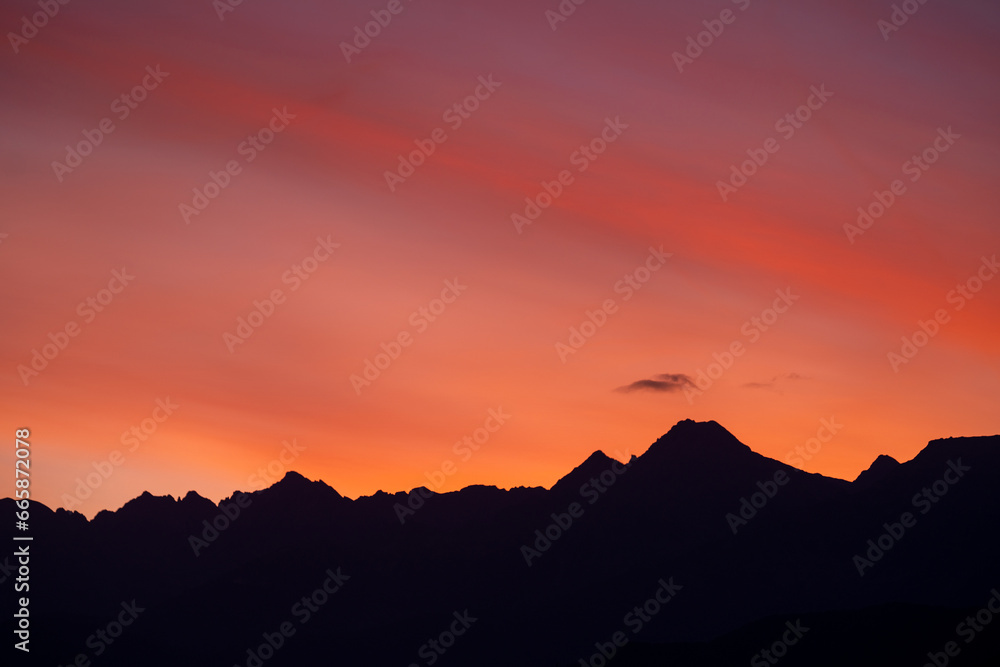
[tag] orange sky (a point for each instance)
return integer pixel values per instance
(494, 346)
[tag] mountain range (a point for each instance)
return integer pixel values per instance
(698, 552)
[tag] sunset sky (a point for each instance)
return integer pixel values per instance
(606, 78)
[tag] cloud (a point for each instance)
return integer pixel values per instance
(664, 382)
(770, 384)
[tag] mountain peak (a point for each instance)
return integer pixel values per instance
(292, 477)
(592, 466)
(147, 500)
(687, 427)
(879, 468)
(598, 458)
(294, 484)
(690, 439)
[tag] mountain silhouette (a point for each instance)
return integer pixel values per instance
(592, 467)
(698, 552)
(689, 440)
(879, 469)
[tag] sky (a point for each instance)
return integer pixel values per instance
(490, 239)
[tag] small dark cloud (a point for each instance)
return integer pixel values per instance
(663, 382)
(773, 382)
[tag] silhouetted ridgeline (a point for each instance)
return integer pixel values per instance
(698, 552)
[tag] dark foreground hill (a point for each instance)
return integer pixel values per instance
(698, 552)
